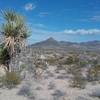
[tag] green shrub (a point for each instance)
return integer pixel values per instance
(11, 79)
(52, 61)
(22, 67)
(94, 73)
(83, 63)
(78, 81)
(69, 60)
(73, 69)
(72, 60)
(4, 55)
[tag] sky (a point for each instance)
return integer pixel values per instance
(64, 20)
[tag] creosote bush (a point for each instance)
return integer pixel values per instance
(72, 60)
(73, 69)
(52, 61)
(11, 79)
(94, 73)
(78, 81)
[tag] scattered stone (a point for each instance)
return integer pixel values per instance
(38, 88)
(59, 93)
(51, 86)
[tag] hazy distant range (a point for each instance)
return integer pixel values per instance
(51, 43)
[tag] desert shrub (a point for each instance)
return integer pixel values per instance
(69, 60)
(76, 59)
(78, 81)
(95, 61)
(72, 60)
(60, 67)
(40, 64)
(51, 61)
(11, 79)
(83, 63)
(22, 67)
(73, 69)
(26, 91)
(94, 73)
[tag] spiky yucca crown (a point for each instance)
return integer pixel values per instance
(14, 30)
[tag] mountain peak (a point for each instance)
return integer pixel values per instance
(51, 39)
(50, 42)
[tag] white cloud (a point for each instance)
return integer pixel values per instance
(82, 31)
(30, 6)
(68, 32)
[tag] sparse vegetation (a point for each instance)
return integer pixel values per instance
(78, 81)
(72, 59)
(94, 73)
(11, 79)
(26, 91)
(52, 61)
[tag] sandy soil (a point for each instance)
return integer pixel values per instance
(51, 86)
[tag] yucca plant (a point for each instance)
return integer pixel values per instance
(14, 31)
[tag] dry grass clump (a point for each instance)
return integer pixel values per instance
(11, 79)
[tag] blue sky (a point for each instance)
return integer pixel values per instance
(65, 20)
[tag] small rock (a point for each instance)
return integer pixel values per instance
(2, 70)
(59, 93)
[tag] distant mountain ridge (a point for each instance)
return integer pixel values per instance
(52, 43)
